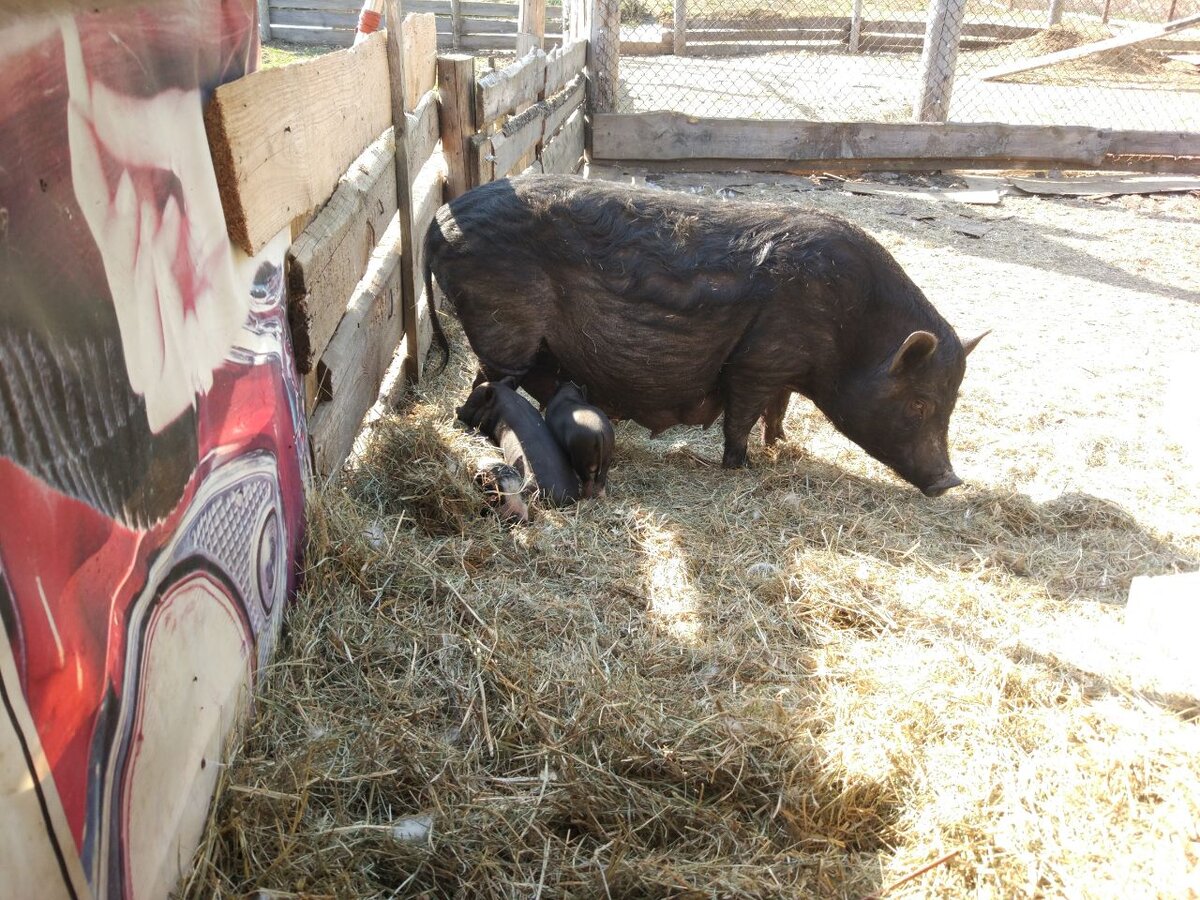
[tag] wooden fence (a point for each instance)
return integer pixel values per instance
(343, 151)
(467, 25)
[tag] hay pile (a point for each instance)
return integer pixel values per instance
(801, 680)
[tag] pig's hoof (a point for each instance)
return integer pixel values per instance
(735, 461)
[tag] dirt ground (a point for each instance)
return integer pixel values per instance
(804, 679)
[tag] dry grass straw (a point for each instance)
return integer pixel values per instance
(801, 680)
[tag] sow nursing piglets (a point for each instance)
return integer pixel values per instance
(672, 309)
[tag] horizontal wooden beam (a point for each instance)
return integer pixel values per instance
(673, 136)
(328, 259)
(438, 7)
(281, 138)
(1147, 164)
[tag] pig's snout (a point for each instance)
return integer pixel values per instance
(943, 484)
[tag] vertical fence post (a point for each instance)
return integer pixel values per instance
(264, 20)
(680, 27)
(456, 106)
(531, 26)
(604, 54)
(1171, 12)
(1104, 15)
(855, 25)
(938, 56)
(1055, 14)
(408, 296)
(455, 24)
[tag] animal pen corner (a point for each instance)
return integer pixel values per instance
(358, 190)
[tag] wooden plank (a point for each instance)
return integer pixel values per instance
(437, 7)
(352, 366)
(563, 64)
(342, 5)
(419, 34)
(534, 168)
(480, 158)
(500, 92)
(559, 107)
(531, 26)
(404, 196)
(496, 42)
(520, 135)
(604, 54)
(316, 17)
(456, 87)
(848, 167)
(1104, 185)
(562, 154)
(779, 34)
(330, 256)
(1124, 40)
(281, 138)
(422, 133)
(673, 136)
(320, 37)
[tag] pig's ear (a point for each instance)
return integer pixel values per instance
(917, 348)
(970, 345)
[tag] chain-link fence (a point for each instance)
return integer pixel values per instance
(900, 60)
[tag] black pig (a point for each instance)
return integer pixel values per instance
(497, 411)
(585, 433)
(672, 309)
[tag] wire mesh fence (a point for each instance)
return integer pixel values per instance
(906, 60)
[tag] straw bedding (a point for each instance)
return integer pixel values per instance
(800, 680)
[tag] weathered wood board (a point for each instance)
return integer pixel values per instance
(562, 154)
(281, 138)
(563, 64)
(676, 137)
(357, 357)
(520, 135)
(329, 258)
(418, 39)
(421, 132)
(500, 92)
(560, 107)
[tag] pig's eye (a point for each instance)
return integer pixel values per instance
(919, 408)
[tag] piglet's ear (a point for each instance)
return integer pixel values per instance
(970, 345)
(917, 348)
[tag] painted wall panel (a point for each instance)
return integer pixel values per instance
(151, 445)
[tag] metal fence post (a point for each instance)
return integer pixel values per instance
(1055, 14)
(855, 25)
(938, 56)
(680, 27)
